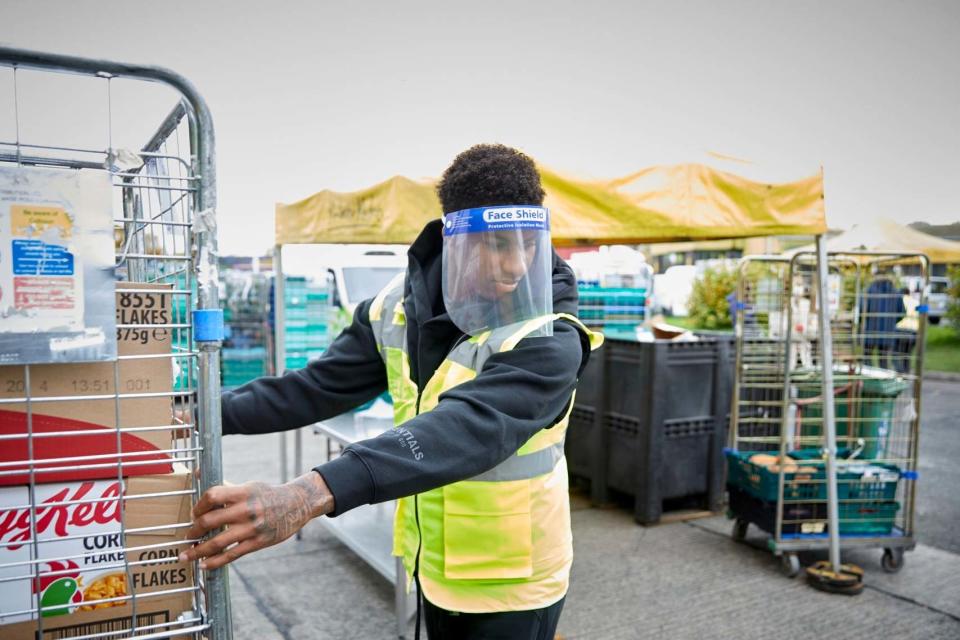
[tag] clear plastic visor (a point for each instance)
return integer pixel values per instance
(497, 267)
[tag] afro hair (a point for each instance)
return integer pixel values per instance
(489, 175)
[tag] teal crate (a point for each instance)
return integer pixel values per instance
(854, 481)
(257, 370)
(244, 354)
(304, 327)
(243, 365)
(619, 308)
(868, 518)
(762, 483)
(857, 480)
(872, 485)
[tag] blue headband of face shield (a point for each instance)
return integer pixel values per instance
(499, 218)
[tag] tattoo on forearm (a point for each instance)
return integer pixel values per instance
(280, 511)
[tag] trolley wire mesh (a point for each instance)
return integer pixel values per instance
(156, 190)
(876, 306)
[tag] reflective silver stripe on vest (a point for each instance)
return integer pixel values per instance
(470, 355)
(524, 467)
(393, 335)
(473, 356)
(386, 333)
(377, 306)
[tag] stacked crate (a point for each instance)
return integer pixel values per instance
(616, 309)
(306, 329)
(184, 375)
(245, 349)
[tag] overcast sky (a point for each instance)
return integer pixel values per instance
(341, 95)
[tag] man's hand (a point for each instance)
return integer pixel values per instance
(256, 515)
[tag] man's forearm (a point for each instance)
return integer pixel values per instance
(350, 373)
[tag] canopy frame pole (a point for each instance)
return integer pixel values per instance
(279, 347)
(829, 417)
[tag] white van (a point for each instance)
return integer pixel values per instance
(937, 298)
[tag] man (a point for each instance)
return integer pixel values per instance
(881, 309)
(480, 350)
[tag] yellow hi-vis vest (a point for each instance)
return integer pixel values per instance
(501, 540)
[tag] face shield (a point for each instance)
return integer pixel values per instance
(497, 267)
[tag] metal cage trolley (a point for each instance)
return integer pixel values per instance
(98, 477)
(777, 474)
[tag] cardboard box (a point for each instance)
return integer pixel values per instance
(80, 553)
(141, 375)
(163, 610)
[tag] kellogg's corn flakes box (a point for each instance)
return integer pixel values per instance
(79, 548)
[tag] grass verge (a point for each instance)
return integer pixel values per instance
(942, 352)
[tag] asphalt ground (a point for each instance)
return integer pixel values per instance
(938, 489)
(681, 580)
(678, 580)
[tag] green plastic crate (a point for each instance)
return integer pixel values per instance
(762, 483)
(868, 518)
(855, 481)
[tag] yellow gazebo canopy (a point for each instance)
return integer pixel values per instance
(658, 204)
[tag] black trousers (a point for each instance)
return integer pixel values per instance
(538, 624)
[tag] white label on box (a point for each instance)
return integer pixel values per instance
(56, 265)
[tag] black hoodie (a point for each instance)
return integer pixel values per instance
(475, 426)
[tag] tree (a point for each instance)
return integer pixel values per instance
(708, 304)
(953, 298)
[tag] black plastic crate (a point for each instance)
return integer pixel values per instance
(798, 517)
(581, 441)
(857, 518)
(650, 421)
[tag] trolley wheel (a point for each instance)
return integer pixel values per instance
(892, 560)
(790, 564)
(739, 532)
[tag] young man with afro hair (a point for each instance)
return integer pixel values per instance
(486, 539)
